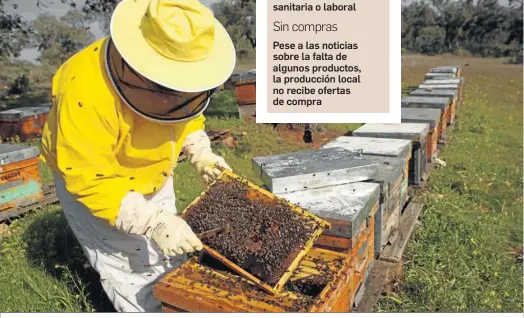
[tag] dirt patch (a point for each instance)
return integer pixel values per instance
(264, 237)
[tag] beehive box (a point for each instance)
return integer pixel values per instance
(390, 177)
(417, 133)
(312, 169)
(346, 207)
(429, 116)
(453, 94)
(25, 122)
(447, 81)
(437, 87)
(438, 76)
(453, 70)
(382, 147)
(230, 192)
(442, 103)
(201, 285)
(20, 182)
(245, 88)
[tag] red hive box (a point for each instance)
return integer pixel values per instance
(26, 122)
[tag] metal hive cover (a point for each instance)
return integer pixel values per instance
(15, 153)
(455, 80)
(24, 112)
(421, 115)
(425, 102)
(312, 169)
(347, 202)
(434, 93)
(397, 148)
(389, 170)
(440, 87)
(413, 132)
(245, 76)
(439, 75)
(444, 69)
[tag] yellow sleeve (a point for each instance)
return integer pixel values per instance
(85, 139)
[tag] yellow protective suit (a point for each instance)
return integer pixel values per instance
(99, 146)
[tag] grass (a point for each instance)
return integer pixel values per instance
(461, 259)
(458, 261)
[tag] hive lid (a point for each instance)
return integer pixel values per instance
(312, 169)
(434, 93)
(348, 202)
(396, 148)
(444, 69)
(451, 80)
(425, 102)
(245, 76)
(413, 132)
(389, 170)
(24, 112)
(421, 115)
(440, 87)
(439, 75)
(15, 153)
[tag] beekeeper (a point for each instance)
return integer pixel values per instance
(123, 110)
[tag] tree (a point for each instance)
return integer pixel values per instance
(14, 33)
(59, 38)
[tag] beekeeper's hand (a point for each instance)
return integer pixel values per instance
(208, 165)
(170, 232)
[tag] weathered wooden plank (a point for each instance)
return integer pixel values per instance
(394, 253)
(373, 287)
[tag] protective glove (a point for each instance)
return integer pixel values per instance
(170, 232)
(197, 148)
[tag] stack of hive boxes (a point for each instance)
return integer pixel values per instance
(441, 103)
(392, 157)
(429, 116)
(245, 92)
(25, 123)
(331, 183)
(416, 133)
(19, 176)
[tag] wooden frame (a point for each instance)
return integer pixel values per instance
(186, 290)
(258, 193)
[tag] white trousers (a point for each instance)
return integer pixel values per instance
(129, 265)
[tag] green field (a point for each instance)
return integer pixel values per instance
(462, 258)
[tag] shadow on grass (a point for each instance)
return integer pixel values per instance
(50, 242)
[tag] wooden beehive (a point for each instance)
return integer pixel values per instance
(454, 71)
(417, 133)
(20, 182)
(199, 285)
(347, 207)
(381, 147)
(245, 88)
(26, 122)
(429, 116)
(442, 103)
(259, 194)
(453, 94)
(391, 179)
(447, 81)
(284, 173)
